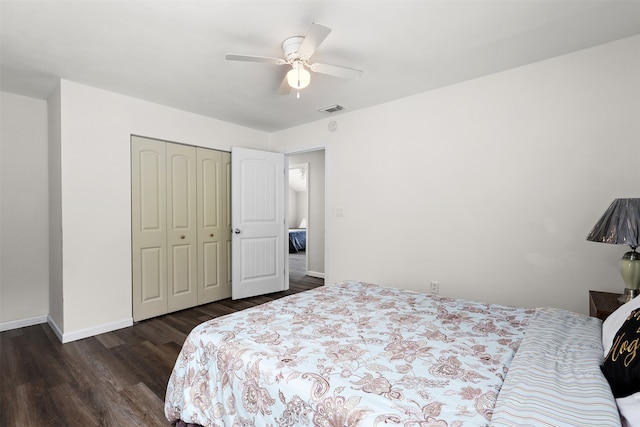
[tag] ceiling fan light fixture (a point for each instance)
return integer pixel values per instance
(298, 77)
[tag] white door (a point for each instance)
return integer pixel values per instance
(258, 222)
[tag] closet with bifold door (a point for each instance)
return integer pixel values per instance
(180, 230)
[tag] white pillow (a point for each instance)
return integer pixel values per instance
(629, 408)
(614, 322)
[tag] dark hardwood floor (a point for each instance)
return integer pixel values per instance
(113, 379)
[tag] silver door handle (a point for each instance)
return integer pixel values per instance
(236, 230)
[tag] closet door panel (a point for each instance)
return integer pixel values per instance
(210, 268)
(152, 266)
(148, 228)
(181, 227)
(211, 219)
(181, 278)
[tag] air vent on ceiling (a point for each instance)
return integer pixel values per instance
(332, 108)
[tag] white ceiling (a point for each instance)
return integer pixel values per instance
(172, 52)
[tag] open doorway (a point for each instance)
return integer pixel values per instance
(298, 214)
(306, 204)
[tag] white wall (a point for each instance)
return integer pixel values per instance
(488, 186)
(24, 270)
(302, 207)
(96, 192)
(298, 207)
(293, 208)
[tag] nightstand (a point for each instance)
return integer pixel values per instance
(602, 304)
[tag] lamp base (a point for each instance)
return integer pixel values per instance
(628, 295)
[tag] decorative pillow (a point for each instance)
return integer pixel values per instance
(621, 366)
(629, 408)
(614, 322)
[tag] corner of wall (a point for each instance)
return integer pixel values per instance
(56, 301)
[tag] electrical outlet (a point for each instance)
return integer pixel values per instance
(435, 287)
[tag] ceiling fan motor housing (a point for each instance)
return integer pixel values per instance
(291, 46)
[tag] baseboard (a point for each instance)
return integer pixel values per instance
(54, 326)
(315, 274)
(89, 332)
(23, 323)
(64, 338)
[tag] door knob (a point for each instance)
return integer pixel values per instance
(182, 237)
(211, 235)
(236, 230)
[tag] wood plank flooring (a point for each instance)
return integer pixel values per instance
(113, 379)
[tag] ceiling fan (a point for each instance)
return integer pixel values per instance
(297, 51)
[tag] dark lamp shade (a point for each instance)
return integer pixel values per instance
(619, 225)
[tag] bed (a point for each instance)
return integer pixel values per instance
(297, 240)
(359, 354)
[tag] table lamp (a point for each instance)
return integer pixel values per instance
(620, 225)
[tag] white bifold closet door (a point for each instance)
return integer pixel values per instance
(214, 224)
(182, 270)
(179, 238)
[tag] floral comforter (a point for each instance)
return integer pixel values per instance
(349, 354)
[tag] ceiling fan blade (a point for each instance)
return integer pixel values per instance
(284, 88)
(253, 58)
(334, 70)
(315, 36)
